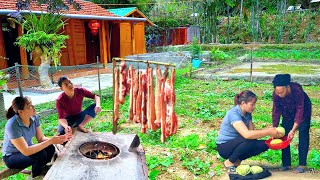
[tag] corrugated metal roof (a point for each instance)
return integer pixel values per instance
(123, 12)
(87, 8)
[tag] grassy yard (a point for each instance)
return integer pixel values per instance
(200, 107)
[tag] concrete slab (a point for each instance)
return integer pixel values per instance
(71, 164)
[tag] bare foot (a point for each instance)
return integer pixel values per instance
(82, 129)
(237, 163)
(227, 163)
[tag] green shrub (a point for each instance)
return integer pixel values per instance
(195, 48)
(217, 55)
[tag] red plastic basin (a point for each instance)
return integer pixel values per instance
(284, 144)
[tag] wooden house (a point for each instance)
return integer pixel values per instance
(130, 35)
(124, 32)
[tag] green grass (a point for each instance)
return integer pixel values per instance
(295, 55)
(284, 68)
(200, 107)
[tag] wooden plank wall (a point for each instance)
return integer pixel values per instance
(104, 39)
(76, 44)
(79, 41)
(125, 39)
(139, 39)
(3, 62)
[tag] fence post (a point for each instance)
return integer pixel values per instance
(99, 76)
(18, 78)
(190, 69)
(251, 62)
(2, 107)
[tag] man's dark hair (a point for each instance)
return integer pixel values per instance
(61, 79)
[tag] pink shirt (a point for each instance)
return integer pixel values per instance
(72, 106)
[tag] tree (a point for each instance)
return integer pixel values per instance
(53, 5)
(41, 34)
(42, 37)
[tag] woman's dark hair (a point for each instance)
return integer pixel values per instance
(245, 96)
(18, 103)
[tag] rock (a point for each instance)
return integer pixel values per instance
(243, 58)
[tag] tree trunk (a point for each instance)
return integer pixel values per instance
(240, 23)
(44, 72)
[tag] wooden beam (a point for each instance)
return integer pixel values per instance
(3, 60)
(133, 38)
(70, 42)
(9, 172)
(103, 45)
(23, 57)
(108, 40)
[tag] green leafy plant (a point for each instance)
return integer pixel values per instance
(156, 163)
(314, 158)
(190, 141)
(211, 141)
(43, 38)
(218, 170)
(195, 164)
(217, 55)
(195, 48)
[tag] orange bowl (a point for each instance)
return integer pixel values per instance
(285, 143)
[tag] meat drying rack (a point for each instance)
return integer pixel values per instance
(114, 64)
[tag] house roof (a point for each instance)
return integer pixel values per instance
(88, 10)
(123, 11)
(129, 12)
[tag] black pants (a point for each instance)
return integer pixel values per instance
(37, 160)
(241, 148)
(304, 141)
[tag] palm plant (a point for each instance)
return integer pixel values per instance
(42, 37)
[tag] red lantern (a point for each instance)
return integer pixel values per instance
(94, 26)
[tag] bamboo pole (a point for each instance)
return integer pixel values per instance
(143, 61)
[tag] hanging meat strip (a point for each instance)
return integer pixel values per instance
(173, 117)
(163, 106)
(144, 123)
(158, 96)
(168, 93)
(131, 82)
(151, 115)
(116, 98)
(135, 94)
(138, 104)
(123, 82)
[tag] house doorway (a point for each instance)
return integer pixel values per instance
(10, 34)
(115, 40)
(92, 45)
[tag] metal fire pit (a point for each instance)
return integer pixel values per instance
(76, 162)
(99, 150)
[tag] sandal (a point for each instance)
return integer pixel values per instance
(299, 170)
(285, 168)
(230, 169)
